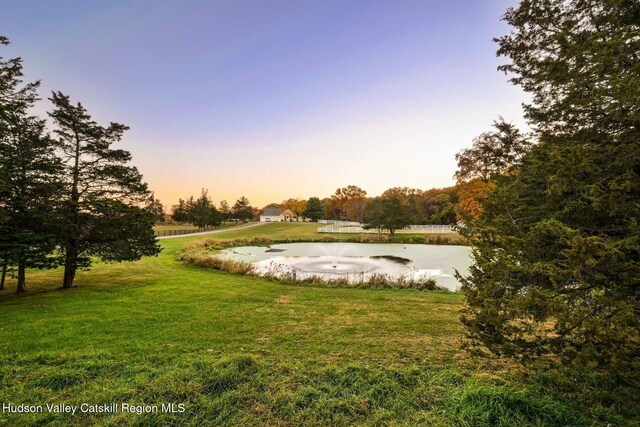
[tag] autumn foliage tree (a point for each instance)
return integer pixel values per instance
(494, 153)
(348, 204)
(296, 206)
(471, 194)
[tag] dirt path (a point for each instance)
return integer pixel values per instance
(211, 232)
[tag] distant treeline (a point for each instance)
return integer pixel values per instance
(202, 212)
(350, 203)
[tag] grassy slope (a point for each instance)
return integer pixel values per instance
(246, 351)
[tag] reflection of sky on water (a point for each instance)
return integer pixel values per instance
(354, 260)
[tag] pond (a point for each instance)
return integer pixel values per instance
(358, 261)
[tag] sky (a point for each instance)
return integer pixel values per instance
(275, 99)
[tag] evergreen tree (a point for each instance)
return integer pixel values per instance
(180, 212)
(556, 273)
(155, 207)
(242, 209)
(225, 211)
(315, 209)
(29, 177)
(189, 204)
(203, 212)
(102, 211)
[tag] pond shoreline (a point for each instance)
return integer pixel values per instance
(352, 264)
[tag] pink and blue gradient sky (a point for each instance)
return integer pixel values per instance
(276, 99)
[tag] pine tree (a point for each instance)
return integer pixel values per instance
(225, 211)
(179, 212)
(29, 177)
(155, 207)
(242, 209)
(102, 210)
(203, 212)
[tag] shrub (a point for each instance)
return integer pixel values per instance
(219, 263)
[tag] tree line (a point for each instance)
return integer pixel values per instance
(66, 195)
(350, 203)
(202, 212)
(434, 206)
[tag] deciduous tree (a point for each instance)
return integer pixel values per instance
(493, 153)
(349, 203)
(471, 194)
(387, 214)
(296, 206)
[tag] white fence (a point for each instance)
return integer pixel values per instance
(431, 228)
(340, 229)
(418, 229)
(340, 223)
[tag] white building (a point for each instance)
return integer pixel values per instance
(271, 215)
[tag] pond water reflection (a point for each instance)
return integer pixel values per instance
(357, 261)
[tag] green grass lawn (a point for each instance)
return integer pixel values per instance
(248, 351)
(309, 231)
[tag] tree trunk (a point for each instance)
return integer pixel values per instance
(69, 276)
(70, 266)
(71, 253)
(21, 278)
(4, 275)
